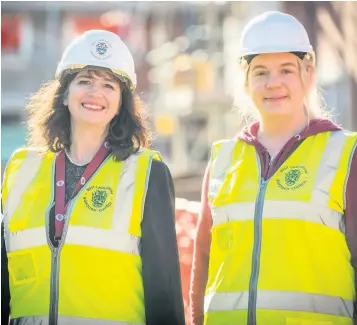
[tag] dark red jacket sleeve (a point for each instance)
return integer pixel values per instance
(202, 243)
(351, 219)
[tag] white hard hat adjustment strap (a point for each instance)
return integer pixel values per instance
(247, 59)
(75, 68)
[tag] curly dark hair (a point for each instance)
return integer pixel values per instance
(49, 123)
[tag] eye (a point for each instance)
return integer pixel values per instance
(109, 86)
(286, 71)
(83, 82)
(260, 73)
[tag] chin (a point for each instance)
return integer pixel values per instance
(93, 122)
(277, 112)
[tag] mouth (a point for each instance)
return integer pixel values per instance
(275, 99)
(93, 107)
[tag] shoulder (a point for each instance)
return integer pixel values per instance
(353, 163)
(345, 135)
(19, 156)
(225, 144)
(159, 169)
(24, 152)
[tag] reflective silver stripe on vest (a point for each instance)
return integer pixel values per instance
(125, 194)
(223, 159)
(24, 177)
(354, 150)
(77, 235)
(298, 210)
(219, 167)
(65, 320)
(280, 300)
(328, 166)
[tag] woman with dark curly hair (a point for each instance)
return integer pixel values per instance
(88, 231)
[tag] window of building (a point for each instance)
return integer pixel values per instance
(16, 38)
(114, 22)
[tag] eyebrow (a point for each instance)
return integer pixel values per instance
(282, 65)
(91, 77)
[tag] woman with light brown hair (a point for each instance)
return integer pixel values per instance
(88, 230)
(276, 240)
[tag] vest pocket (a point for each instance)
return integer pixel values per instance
(22, 267)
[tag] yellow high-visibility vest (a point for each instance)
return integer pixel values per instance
(95, 276)
(279, 254)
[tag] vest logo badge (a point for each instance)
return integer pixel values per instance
(292, 177)
(98, 198)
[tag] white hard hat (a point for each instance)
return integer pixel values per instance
(274, 32)
(99, 48)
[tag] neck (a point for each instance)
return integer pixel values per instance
(85, 143)
(274, 132)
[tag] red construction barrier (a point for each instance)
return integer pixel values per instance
(186, 221)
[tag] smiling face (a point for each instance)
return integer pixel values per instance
(93, 98)
(275, 86)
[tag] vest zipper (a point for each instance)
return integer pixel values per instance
(253, 283)
(56, 251)
(55, 268)
(53, 317)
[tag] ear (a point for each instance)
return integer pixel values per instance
(65, 102)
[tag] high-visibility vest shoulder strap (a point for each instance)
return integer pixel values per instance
(141, 161)
(221, 154)
(342, 148)
(20, 171)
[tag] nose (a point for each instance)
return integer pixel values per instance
(95, 89)
(273, 81)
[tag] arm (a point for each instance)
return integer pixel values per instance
(159, 252)
(351, 220)
(199, 274)
(5, 290)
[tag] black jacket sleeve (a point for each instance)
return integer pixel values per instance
(5, 290)
(159, 252)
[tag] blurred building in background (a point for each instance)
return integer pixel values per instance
(186, 60)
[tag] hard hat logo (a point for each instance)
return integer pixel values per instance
(101, 49)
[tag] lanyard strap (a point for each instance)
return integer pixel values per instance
(61, 206)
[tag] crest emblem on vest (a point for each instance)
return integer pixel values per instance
(292, 177)
(101, 49)
(97, 198)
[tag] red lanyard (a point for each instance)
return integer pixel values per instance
(61, 207)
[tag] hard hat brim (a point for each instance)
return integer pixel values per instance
(300, 54)
(73, 68)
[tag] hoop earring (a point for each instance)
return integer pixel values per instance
(111, 130)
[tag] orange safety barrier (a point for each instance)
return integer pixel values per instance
(186, 221)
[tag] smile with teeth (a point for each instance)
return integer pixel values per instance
(92, 107)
